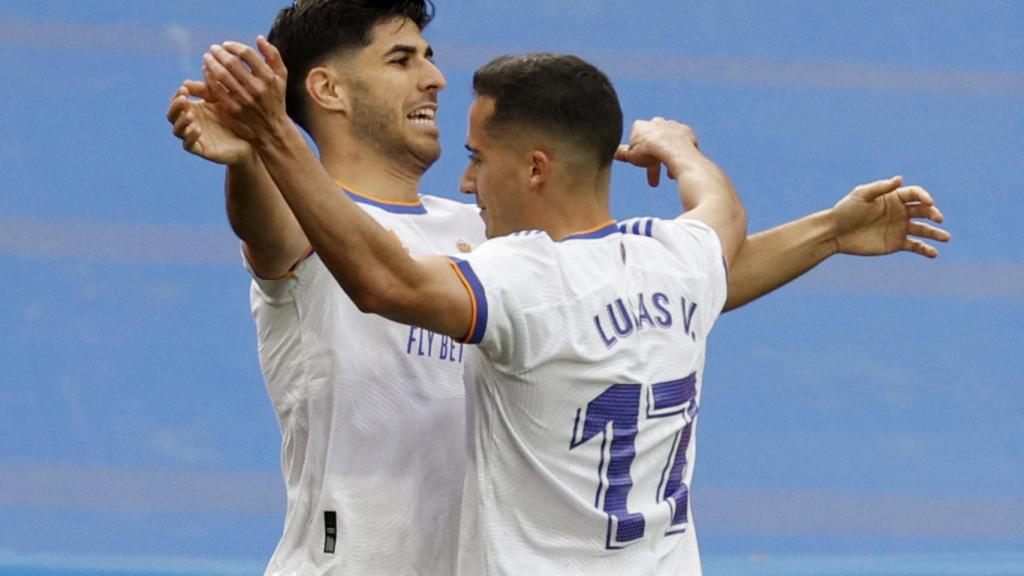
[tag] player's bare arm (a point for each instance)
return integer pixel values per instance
(370, 264)
(877, 218)
(272, 240)
(705, 190)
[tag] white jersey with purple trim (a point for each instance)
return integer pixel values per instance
(371, 414)
(583, 395)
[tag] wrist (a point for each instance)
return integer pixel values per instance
(245, 160)
(278, 134)
(679, 163)
(830, 230)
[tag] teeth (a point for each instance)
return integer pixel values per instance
(424, 115)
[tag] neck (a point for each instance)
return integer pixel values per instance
(364, 171)
(575, 219)
(579, 208)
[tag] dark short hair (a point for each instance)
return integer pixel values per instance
(557, 94)
(308, 31)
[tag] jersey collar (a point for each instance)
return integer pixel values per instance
(393, 206)
(599, 231)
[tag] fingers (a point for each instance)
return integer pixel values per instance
(874, 190)
(925, 230)
(181, 91)
(623, 153)
(220, 79)
(187, 131)
(179, 102)
(230, 70)
(654, 175)
(919, 247)
(254, 66)
(922, 211)
(185, 127)
(910, 194)
(196, 89)
(272, 56)
(190, 139)
(181, 120)
(917, 230)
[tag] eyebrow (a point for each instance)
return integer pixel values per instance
(407, 49)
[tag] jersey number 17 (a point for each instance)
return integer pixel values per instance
(619, 405)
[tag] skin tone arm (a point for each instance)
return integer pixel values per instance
(272, 240)
(706, 192)
(369, 263)
(874, 219)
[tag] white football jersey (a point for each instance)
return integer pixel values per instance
(371, 414)
(583, 397)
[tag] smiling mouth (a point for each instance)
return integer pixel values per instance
(423, 116)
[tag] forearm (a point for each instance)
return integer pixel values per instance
(708, 195)
(370, 264)
(259, 216)
(775, 257)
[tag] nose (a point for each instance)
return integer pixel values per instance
(467, 184)
(433, 79)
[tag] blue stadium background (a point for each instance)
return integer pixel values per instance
(874, 407)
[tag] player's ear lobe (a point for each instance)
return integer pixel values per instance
(326, 90)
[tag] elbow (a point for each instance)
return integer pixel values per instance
(737, 235)
(370, 300)
(738, 224)
(380, 298)
(366, 301)
(741, 221)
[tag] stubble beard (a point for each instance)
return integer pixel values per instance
(374, 123)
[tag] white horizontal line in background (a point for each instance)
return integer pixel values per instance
(140, 491)
(793, 512)
(127, 243)
(168, 244)
(788, 512)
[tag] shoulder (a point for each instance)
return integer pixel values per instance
(643, 226)
(652, 227)
(676, 233)
(513, 258)
(530, 243)
(447, 205)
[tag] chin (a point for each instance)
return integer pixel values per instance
(427, 154)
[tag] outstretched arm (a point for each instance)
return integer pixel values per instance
(271, 237)
(706, 192)
(370, 264)
(874, 219)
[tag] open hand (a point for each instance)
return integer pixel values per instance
(884, 217)
(248, 88)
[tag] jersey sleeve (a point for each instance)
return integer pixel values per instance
(503, 277)
(277, 290)
(697, 245)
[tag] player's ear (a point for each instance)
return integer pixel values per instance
(540, 168)
(326, 90)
